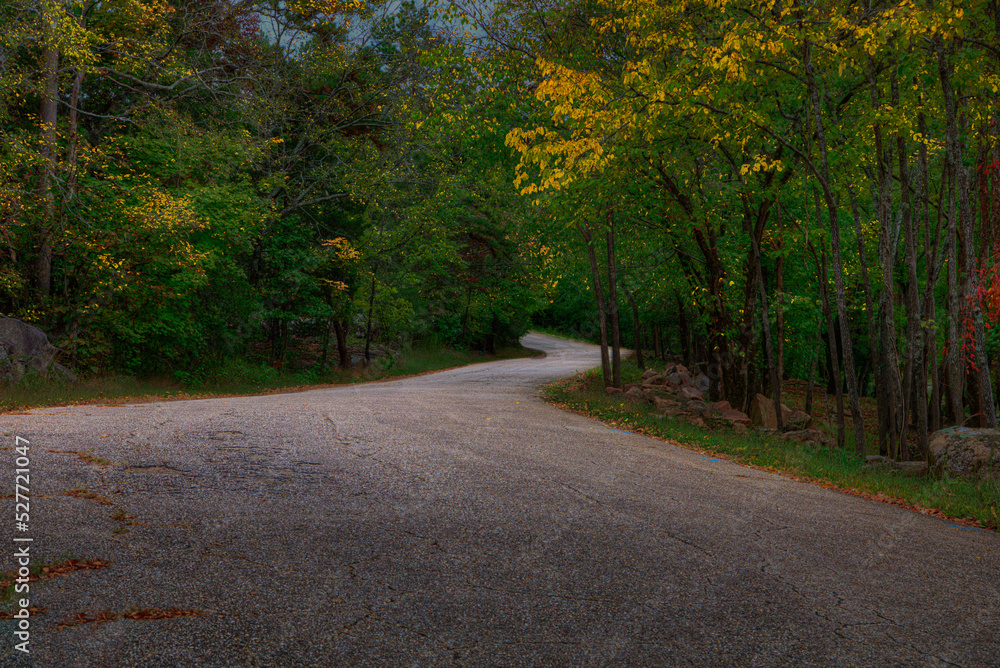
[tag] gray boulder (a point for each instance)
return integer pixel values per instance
(795, 420)
(23, 347)
(962, 450)
(691, 393)
(635, 394)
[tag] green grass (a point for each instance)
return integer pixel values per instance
(237, 378)
(975, 501)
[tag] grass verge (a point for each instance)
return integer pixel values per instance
(240, 378)
(969, 502)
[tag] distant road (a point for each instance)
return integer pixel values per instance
(456, 519)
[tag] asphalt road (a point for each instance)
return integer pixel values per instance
(456, 519)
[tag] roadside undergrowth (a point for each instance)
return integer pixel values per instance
(973, 503)
(240, 380)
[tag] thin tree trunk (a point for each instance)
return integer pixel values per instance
(847, 346)
(326, 343)
(616, 332)
(635, 328)
(684, 332)
(602, 318)
(766, 333)
(341, 331)
(766, 324)
(832, 339)
(779, 280)
(952, 159)
(888, 365)
(812, 369)
(870, 311)
(912, 391)
(368, 326)
(48, 117)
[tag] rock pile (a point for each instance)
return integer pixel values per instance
(677, 392)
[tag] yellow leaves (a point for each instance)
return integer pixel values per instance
(335, 286)
(343, 250)
(761, 163)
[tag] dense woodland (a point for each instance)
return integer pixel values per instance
(765, 189)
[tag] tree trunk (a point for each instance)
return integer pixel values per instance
(616, 332)
(46, 193)
(368, 326)
(326, 343)
(684, 333)
(766, 333)
(887, 365)
(636, 329)
(913, 393)
(952, 161)
(846, 345)
(870, 311)
(340, 329)
(831, 331)
(602, 318)
(779, 280)
(812, 368)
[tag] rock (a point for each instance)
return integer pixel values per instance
(23, 347)
(800, 436)
(655, 380)
(762, 412)
(651, 392)
(635, 394)
(648, 373)
(814, 436)
(721, 405)
(664, 402)
(878, 460)
(702, 382)
(734, 416)
(963, 450)
(612, 390)
(697, 406)
(911, 468)
(795, 420)
(691, 393)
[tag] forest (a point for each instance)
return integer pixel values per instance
(764, 190)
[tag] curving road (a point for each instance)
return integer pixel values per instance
(456, 519)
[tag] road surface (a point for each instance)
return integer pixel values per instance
(456, 519)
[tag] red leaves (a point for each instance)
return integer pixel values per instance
(61, 569)
(144, 614)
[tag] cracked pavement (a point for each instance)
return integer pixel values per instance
(456, 519)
